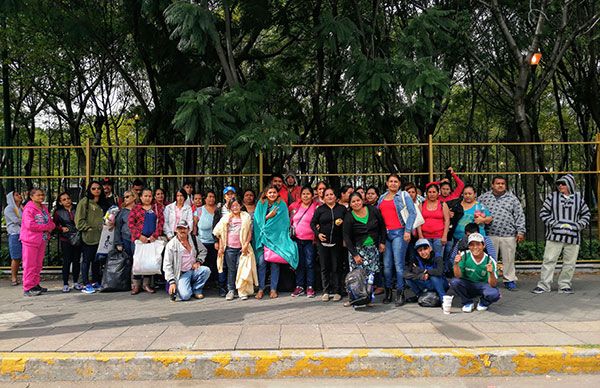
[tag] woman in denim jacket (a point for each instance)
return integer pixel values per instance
(391, 203)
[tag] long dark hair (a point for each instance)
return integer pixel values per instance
(102, 201)
(263, 196)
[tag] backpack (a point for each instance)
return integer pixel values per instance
(359, 291)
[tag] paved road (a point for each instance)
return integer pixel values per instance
(118, 321)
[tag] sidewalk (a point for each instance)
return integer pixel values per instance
(115, 335)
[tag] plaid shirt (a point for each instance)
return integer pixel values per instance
(136, 221)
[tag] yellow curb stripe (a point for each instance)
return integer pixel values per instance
(82, 366)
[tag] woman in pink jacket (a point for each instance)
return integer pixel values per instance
(35, 233)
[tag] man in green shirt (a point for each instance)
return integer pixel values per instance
(475, 275)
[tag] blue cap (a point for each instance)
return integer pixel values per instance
(422, 242)
(228, 189)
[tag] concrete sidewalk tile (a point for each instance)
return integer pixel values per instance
(385, 340)
(343, 340)
(515, 339)
(10, 344)
(575, 326)
(555, 339)
(52, 340)
(587, 337)
(494, 327)
(176, 337)
(417, 328)
(259, 337)
(347, 328)
(300, 336)
(382, 328)
(534, 327)
(93, 340)
(218, 337)
(426, 340)
(135, 338)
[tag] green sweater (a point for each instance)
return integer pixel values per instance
(89, 219)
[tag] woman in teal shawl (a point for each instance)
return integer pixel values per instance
(271, 234)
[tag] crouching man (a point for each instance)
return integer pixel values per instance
(475, 275)
(183, 265)
(424, 271)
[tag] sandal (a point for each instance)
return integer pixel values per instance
(15, 283)
(260, 294)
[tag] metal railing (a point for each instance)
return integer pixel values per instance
(56, 168)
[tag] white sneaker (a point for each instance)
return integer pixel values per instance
(244, 297)
(481, 307)
(468, 308)
(229, 295)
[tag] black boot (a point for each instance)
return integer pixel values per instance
(400, 298)
(388, 296)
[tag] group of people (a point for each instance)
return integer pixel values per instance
(447, 241)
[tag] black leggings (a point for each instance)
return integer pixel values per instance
(71, 256)
(89, 258)
(332, 274)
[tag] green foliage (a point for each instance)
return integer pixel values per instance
(193, 25)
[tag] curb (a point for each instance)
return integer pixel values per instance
(298, 363)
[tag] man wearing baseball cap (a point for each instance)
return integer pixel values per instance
(425, 271)
(183, 264)
(476, 276)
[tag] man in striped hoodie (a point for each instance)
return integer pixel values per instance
(565, 214)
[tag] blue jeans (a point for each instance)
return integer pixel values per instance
(436, 245)
(232, 257)
(262, 273)
(394, 257)
(306, 256)
(437, 283)
(192, 282)
(467, 290)
(448, 261)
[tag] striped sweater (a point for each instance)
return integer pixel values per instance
(565, 216)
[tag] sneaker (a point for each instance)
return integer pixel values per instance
(468, 308)
(97, 286)
(78, 286)
(222, 292)
(229, 295)
(511, 286)
(298, 291)
(310, 292)
(325, 297)
(66, 288)
(88, 289)
(481, 306)
(40, 289)
(337, 297)
(244, 297)
(538, 290)
(32, 292)
(566, 290)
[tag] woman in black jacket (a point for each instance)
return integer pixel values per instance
(364, 235)
(327, 225)
(70, 246)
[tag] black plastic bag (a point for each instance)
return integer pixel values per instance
(429, 299)
(117, 272)
(358, 290)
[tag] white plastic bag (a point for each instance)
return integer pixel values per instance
(147, 258)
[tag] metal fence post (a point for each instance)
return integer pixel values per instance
(88, 162)
(431, 168)
(598, 182)
(260, 171)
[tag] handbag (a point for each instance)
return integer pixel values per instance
(293, 229)
(273, 257)
(419, 220)
(75, 239)
(147, 259)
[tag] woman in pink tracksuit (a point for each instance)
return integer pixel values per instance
(35, 233)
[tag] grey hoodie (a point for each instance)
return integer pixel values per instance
(565, 216)
(13, 215)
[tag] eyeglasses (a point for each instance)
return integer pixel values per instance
(561, 184)
(96, 188)
(127, 196)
